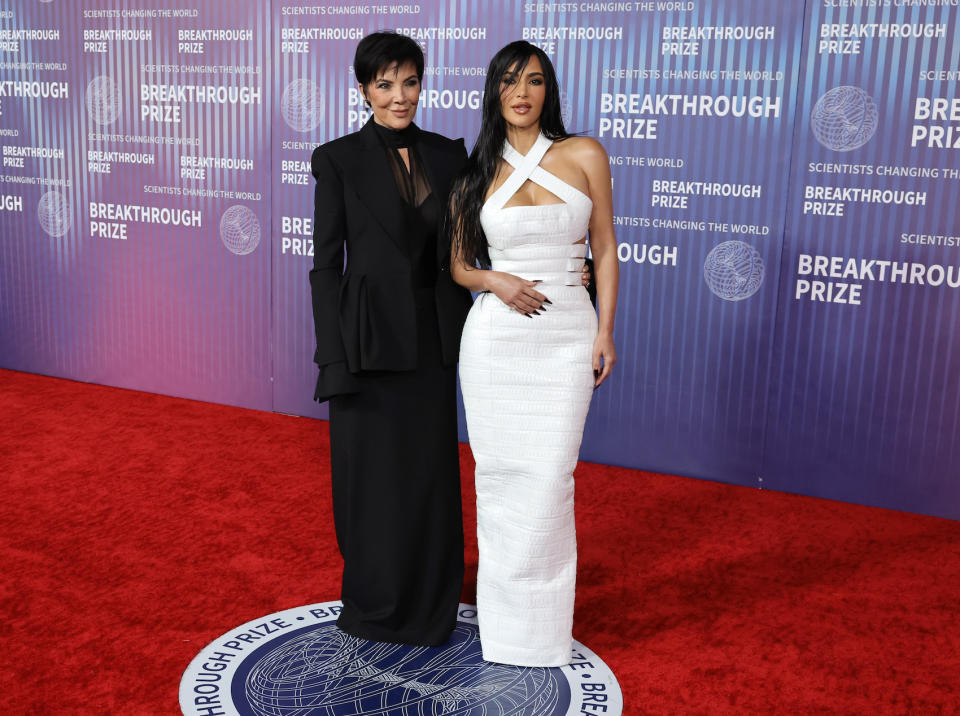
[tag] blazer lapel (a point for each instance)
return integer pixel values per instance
(375, 185)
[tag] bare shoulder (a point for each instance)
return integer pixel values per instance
(586, 151)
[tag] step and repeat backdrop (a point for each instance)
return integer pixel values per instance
(785, 182)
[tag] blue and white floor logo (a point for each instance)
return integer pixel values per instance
(297, 663)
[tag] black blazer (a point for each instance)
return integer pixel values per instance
(364, 316)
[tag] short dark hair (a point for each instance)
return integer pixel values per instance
(380, 50)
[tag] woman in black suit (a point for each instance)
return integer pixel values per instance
(388, 327)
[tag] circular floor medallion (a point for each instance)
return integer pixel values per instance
(297, 663)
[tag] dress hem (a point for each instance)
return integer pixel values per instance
(509, 657)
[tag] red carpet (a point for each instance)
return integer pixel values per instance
(137, 528)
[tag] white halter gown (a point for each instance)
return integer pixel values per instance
(527, 384)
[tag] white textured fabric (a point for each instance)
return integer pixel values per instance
(527, 384)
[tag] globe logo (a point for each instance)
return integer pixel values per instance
(733, 270)
(240, 229)
(301, 664)
(103, 100)
(844, 119)
(302, 105)
(334, 673)
(53, 211)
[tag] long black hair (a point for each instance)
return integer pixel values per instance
(470, 188)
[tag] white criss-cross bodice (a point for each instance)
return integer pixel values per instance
(537, 242)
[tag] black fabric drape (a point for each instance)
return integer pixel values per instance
(395, 460)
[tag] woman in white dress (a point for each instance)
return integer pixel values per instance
(533, 349)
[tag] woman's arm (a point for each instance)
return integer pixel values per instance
(603, 247)
(514, 291)
(329, 227)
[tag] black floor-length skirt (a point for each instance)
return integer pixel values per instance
(396, 497)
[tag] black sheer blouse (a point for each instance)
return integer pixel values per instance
(421, 207)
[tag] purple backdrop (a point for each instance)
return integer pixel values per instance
(866, 394)
(143, 265)
(155, 219)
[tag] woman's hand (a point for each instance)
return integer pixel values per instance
(516, 292)
(604, 356)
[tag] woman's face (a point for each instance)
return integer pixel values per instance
(522, 95)
(393, 95)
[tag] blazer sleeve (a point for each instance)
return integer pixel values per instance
(329, 235)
